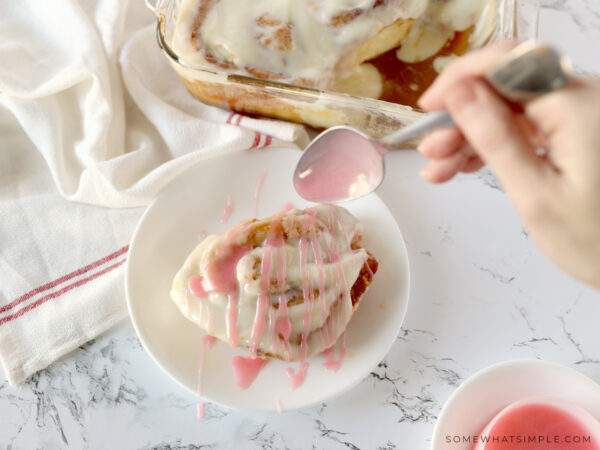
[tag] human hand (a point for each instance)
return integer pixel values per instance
(557, 192)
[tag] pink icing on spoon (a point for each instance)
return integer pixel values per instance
(227, 210)
(297, 379)
(245, 370)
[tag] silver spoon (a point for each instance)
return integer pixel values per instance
(343, 163)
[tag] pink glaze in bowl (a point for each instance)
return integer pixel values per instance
(477, 401)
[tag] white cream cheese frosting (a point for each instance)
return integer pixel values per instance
(279, 287)
(303, 40)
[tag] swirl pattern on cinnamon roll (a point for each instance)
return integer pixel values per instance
(284, 287)
(323, 44)
(303, 41)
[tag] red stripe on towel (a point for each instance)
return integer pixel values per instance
(257, 138)
(60, 292)
(64, 278)
(268, 141)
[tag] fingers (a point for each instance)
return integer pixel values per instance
(568, 119)
(493, 131)
(450, 154)
(442, 170)
(441, 143)
(473, 164)
(472, 65)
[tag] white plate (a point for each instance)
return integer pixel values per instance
(170, 229)
(480, 397)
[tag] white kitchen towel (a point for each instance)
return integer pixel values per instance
(93, 123)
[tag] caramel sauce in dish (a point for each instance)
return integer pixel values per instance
(284, 287)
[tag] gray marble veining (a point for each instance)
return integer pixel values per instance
(481, 293)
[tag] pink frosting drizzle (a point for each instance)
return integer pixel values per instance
(246, 370)
(196, 286)
(264, 299)
(297, 379)
(319, 260)
(288, 207)
(259, 184)
(221, 277)
(331, 363)
(307, 319)
(308, 301)
(227, 210)
(207, 341)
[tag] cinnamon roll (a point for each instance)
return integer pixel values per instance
(340, 45)
(283, 287)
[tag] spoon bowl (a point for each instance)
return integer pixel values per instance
(342, 163)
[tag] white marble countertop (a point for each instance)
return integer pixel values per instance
(481, 293)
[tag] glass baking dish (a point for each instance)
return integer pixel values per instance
(314, 107)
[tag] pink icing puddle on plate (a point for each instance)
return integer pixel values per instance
(540, 424)
(331, 363)
(297, 379)
(259, 184)
(207, 341)
(227, 210)
(351, 166)
(288, 207)
(245, 370)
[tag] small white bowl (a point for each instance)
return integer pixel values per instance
(480, 397)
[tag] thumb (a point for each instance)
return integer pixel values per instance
(491, 128)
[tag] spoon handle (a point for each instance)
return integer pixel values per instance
(409, 133)
(528, 71)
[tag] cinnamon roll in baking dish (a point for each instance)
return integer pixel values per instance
(363, 47)
(284, 287)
